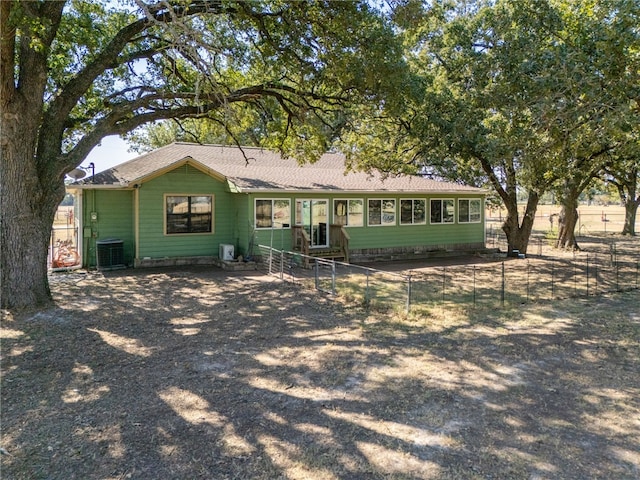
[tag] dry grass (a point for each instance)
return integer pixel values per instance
(202, 374)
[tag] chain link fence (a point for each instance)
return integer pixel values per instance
(493, 284)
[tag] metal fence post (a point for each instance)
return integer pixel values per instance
(281, 264)
(409, 292)
(575, 275)
(333, 278)
(503, 286)
(317, 275)
(595, 273)
(474, 285)
(612, 253)
(587, 274)
(444, 282)
(366, 289)
(528, 272)
(553, 264)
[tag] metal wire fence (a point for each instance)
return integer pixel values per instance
(494, 284)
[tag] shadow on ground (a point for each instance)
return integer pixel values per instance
(203, 374)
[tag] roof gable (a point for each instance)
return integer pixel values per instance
(176, 165)
(252, 169)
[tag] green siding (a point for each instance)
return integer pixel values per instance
(154, 243)
(114, 210)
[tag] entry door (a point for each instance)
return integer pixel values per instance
(313, 216)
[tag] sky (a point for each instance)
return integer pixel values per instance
(111, 152)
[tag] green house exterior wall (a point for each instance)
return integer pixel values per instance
(113, 219)
(233, 221)
(185, 180)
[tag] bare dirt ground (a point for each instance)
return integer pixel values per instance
(199, 373)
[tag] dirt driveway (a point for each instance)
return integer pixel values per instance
(199, 373)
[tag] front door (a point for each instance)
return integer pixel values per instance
(313, 216)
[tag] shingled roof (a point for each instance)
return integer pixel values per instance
(260, 170)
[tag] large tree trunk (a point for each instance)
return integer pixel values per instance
(628, 191)
(517, 233)
(630, 212)
(31, 181)
(29, 200)
(568, 221)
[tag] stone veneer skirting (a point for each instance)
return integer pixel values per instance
(199, 260)
(355, 255)
(421, 251)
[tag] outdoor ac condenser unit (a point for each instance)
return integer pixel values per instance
(110, 254)
(226, 252)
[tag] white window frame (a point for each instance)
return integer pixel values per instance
(413, 211)
(165, 213)
(382, 210)
(469, 200)
(442, 217)
(275, 224)
(347, 213)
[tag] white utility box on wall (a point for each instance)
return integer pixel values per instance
(226, 252)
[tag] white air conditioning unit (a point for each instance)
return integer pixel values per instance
(226, 252)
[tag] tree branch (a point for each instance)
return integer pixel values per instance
(123, 118)
(54, 119)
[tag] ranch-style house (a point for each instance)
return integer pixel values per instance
(189, 203)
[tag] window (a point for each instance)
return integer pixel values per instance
(273, 213)
(348, 212)
(442, 211)
(469, 210)
(188, 213)
(382, 211)
(413, 211)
